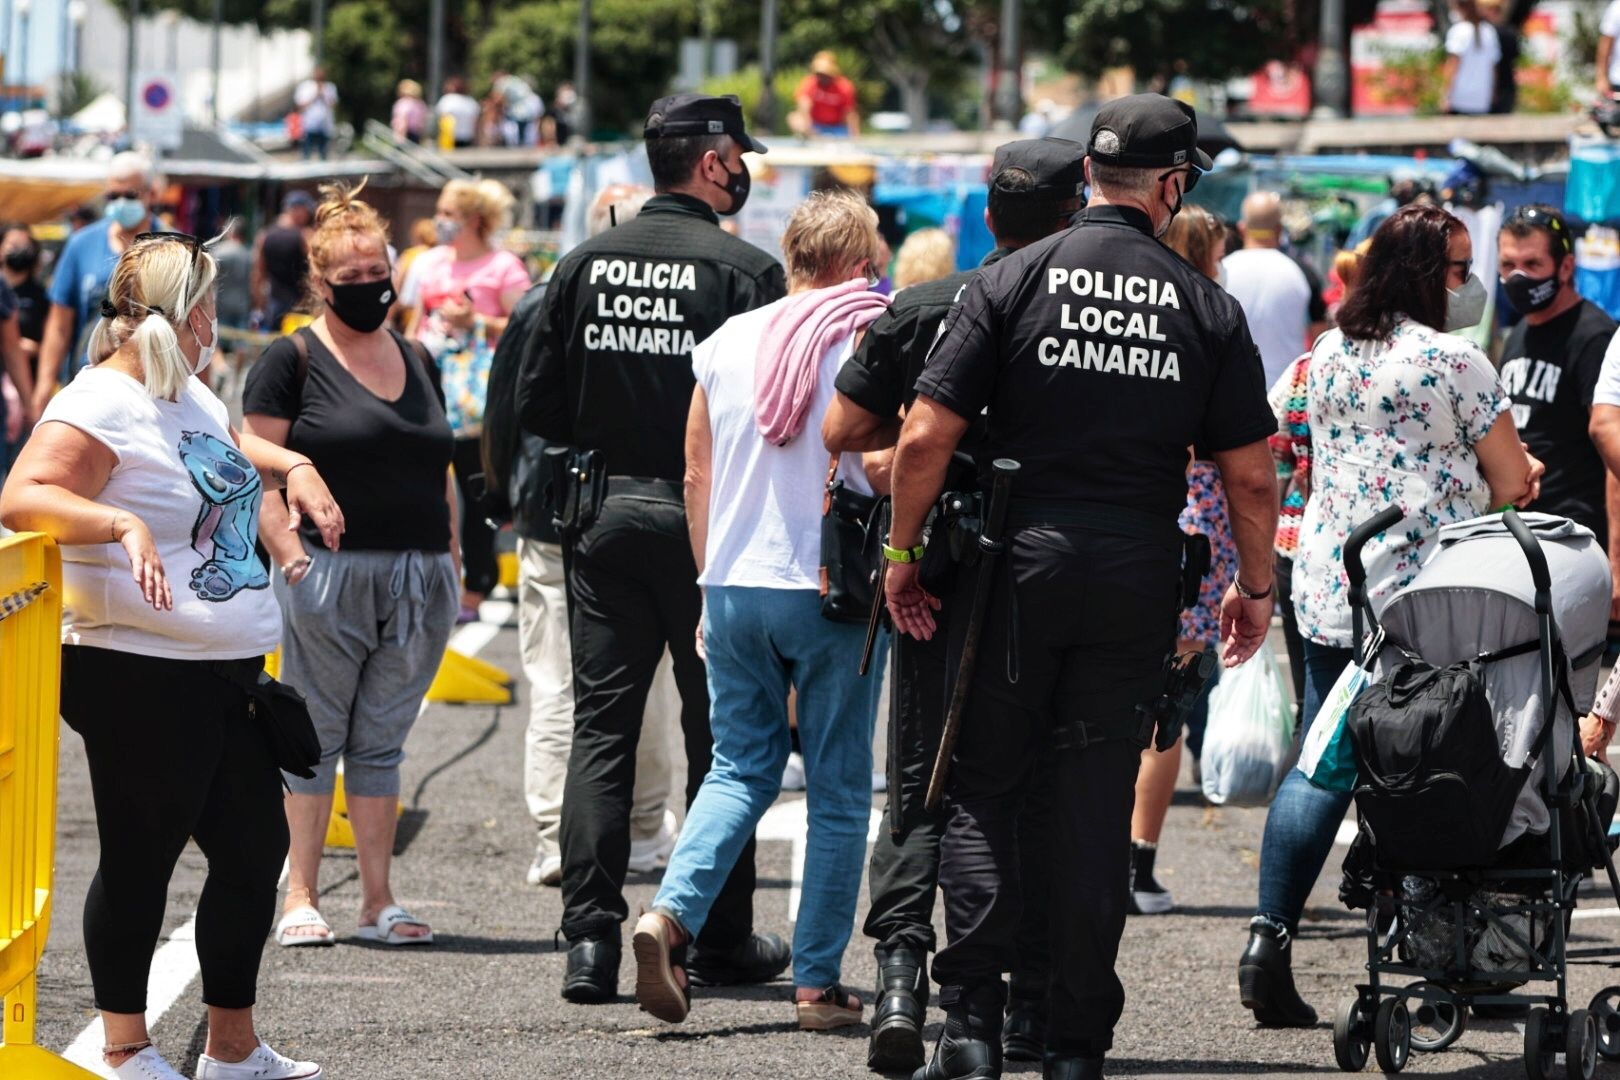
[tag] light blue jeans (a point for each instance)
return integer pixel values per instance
(761, 642)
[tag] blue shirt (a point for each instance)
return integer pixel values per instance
(82, 273)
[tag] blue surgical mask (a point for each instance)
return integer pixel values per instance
(126, 213)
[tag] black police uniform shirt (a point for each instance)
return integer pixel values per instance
(1550, 372)
(612, 351)
(1101, 356)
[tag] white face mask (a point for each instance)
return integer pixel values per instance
(1465, 305)
(205, 353)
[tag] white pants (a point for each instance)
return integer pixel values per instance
(548, 666)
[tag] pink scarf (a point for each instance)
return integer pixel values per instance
(797, 336)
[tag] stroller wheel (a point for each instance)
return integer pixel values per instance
(1580, 1045)
(1392, 1035)
(1539, 1049)
(1350, 1041)
(1435, 1023)
(1605, 1010)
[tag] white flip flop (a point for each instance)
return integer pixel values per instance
(387, 929)
(298, 918)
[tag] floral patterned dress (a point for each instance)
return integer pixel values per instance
(1206, 513)
(1392, 421)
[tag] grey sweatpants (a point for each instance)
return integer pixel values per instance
(361, 637)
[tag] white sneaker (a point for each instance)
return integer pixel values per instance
(147, 1065)
(793, 774)
(263, 1064)
(545, 870)
(648, 855)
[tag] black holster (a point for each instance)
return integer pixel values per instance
(576, 485)
(1195, 560)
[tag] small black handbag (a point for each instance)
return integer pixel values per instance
(851, 538)
(282, 715)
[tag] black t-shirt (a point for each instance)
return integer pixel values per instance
(384, 461)
(286, 263)
(1101, 355)
(609, 364)
(1550, 372)
(33, 304)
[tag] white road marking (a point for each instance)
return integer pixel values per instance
(175, 965)
(790, 821)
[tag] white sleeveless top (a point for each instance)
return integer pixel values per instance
(180, 472)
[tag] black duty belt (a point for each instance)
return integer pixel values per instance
(646, 487)
(1102, 517)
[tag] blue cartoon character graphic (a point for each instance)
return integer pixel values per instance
(228, 522)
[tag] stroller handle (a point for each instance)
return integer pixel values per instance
(1539, 574)
(1357, 574)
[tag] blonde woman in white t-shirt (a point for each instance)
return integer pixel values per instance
(135, 470)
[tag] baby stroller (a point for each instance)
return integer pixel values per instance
(1453, 922)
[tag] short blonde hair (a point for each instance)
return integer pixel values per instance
(926, 255)
(1197, 236)
(342, 221)
(154, 287)
(829, 234)
(489, 200)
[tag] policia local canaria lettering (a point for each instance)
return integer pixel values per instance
(608, 329)
(1109, 354)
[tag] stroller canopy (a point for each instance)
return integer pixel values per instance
(1475, 595)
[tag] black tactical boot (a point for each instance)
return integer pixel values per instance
(1266, 977)
(758, 959)
(1023, 1034)
(969, 1047)
(1072, 1068)
(592, 976)
(897, 1021)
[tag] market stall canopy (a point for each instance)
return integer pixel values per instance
(43, 189)
(103, 116)
(1213, 137)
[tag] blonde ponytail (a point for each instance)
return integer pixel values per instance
(153, 289)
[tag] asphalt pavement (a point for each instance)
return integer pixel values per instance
(483, 1000)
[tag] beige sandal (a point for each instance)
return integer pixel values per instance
(657, 990)
(835, 1008)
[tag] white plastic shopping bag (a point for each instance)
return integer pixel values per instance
(1250, 739)
(1327, 758)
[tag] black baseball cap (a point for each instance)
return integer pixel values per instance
(1148, 131)
(1056, 165)
(699, 114)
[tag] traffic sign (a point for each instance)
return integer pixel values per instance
(158, 118)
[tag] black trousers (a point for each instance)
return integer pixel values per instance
(903, 877)
(632, 592)
(173, 756)
(1095, 617)
(478, 568)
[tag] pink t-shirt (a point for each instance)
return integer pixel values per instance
(439, 276)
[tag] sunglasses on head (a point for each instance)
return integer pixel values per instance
(1543, 219)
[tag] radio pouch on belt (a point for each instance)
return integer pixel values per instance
(577, 483)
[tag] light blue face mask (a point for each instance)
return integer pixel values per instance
(126, 213)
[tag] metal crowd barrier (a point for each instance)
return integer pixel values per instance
(30, 683)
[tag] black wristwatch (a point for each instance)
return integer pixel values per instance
(1249, 594)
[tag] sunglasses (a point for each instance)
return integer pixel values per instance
(113, 195)
(194, 244)
(1542, 219)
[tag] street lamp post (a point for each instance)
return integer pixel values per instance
(77, 10)
(435, 71)
(582, 75)
(318, 28)
(1332, 79)
(130, 77)
(24, 9)
(1009, 91)
(213, 60)
(767, 64)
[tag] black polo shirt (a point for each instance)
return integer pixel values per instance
(609, 363)
(1101, 356)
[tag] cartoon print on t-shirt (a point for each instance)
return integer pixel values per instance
(227, 524)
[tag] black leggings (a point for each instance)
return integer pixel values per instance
(478, 568)
(173, 756)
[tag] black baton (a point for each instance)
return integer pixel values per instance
(990, 548)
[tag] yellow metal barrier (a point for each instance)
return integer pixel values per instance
(30, 681)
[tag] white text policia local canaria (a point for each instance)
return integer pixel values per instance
(1102, 354)
(665, 341)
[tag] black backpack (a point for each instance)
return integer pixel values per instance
(1433, 791)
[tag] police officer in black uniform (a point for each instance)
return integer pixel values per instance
(612, 372)
(1101, 356)
(1035, 188)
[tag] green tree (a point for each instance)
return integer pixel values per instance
(634, 53)
(362, 57)
(1217, 39)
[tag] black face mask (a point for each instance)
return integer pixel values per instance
(737, 185)
(362, 306)
(1174, 210)
(21, 259)
(1529, 295)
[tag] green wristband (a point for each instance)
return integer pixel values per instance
(903, 555)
